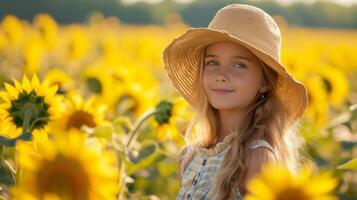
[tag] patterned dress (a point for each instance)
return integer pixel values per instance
(197, 179)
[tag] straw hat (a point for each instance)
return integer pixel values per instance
(247, 25)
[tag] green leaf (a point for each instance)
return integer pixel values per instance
(104, 131)
(352, 164)
(10, 142)
(7, 142)
(122, 123)
(149, 155)
(166, 169)
(6, 176)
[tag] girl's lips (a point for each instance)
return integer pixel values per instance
(222, 91)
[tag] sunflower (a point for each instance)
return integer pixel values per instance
(168, 118)
(335, 83)
(13, 29)
(134, 99)
(64, 81)
(78, 112)
(98, 82)
(318, 106)
(278, 183)
(29, 106)
(48, 28)
(78, 43)
(138, 89)
(65, 168)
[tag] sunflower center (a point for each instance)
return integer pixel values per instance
(29, 107)
(293, 194)
(61, 89)
(327, 85)
(164, 109)
(79, 118)
(64, 177)
(94, 85)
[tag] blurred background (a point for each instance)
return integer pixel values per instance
(111, 51)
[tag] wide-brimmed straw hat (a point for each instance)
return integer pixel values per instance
(247, 25)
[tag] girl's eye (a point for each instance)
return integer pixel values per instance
(242, 65)
(211, 61)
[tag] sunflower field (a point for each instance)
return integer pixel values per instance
(87, 112)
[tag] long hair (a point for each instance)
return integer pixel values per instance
(266, 119)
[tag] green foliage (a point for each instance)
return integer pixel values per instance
(352, 165)
(196, 13)
(149, 155)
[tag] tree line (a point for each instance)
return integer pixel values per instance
(197, 13)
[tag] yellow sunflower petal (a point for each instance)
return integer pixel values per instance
(35, 81)
(12, 92)
(259, 188)
(4, 96)
(70, 161)
(18, 85)
(26, 84)
(321, 184)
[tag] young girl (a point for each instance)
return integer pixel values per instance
(246, 103)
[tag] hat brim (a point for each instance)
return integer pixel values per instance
(182, 58)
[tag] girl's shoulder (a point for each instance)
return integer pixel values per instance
(261, 143)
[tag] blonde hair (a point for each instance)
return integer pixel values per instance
(265, 120)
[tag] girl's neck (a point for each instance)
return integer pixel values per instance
(229, 120)
(219, 139)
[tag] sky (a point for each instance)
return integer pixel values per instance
(341, 2)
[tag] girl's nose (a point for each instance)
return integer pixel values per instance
(221, 77)
(222, 73)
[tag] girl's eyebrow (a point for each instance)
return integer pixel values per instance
(239, 57)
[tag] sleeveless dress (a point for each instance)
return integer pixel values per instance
(197, 180)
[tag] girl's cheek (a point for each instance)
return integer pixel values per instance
(205, 79)
(237, 76)
(207, 75)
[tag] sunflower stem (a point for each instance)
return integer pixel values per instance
(122, 181)
(28, 111)
(138, 123)
(37, 120)
(25, 125)
(3, 159)
(12, 170)
(2, 152)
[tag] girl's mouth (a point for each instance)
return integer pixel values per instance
(222, 91)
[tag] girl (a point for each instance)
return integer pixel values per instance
(246, 103)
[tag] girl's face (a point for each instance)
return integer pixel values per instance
(232, 75)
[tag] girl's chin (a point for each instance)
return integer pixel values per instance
(224, 106)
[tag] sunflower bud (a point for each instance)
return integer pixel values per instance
(164, 112)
